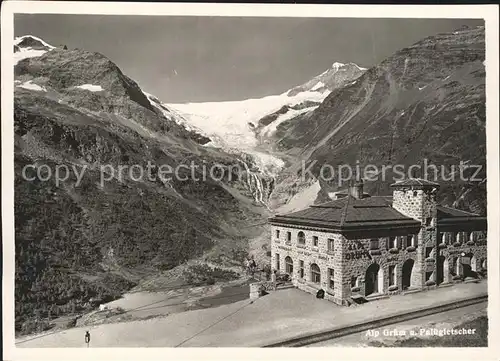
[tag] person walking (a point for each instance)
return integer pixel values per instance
(87, 338)
(253, 266)
(267, 271)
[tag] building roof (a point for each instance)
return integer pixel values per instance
(349, 213)
(448, 217)
(415, 182)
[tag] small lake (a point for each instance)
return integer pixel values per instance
(229, 294)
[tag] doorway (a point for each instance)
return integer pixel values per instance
(407, 269)
(371, 279)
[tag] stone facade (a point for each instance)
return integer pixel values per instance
(313, 250)
(391, 261)
(420, 204)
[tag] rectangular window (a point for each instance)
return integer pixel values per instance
(331, 273)
(301, 264)
(277, 261)
(315, 273)
(374, 244)
(289, 265)
(392, 241)
(315, 241)
(289, 236)
(278, 234)
(354, 281)
(392, 275)
(331, 245)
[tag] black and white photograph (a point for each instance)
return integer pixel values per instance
(259, 178)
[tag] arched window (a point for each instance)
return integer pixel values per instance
(442, 238)
(315, 273)
(413, 241)
(398, 242)
(301, 238)
(455, 267)
(473, 236)
(288, 265)
(407, 241)
(390, 243)
(392, 275)
(374, 244)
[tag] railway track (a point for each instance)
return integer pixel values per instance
(316, 337)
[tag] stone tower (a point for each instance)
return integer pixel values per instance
(416, 198)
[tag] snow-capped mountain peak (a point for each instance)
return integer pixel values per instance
(237, 124)
(337, 65)
(29, 46)
(31, 41)
(338, 75)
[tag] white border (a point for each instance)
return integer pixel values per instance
(487, 12)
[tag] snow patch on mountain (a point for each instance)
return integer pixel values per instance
(32, 86)
(319, 85)
(25, 53)
(91, 87)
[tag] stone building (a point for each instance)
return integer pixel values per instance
(361, 247)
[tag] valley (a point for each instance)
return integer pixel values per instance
(122, 242)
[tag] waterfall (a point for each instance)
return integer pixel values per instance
(256, 183)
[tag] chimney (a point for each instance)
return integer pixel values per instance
(356, 189)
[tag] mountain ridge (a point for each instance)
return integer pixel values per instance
(427, 101)
(82, 240)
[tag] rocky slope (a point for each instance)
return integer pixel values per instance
(98, 231)
(427, 101)
(336, 77)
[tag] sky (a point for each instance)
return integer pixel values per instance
(196, 59)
